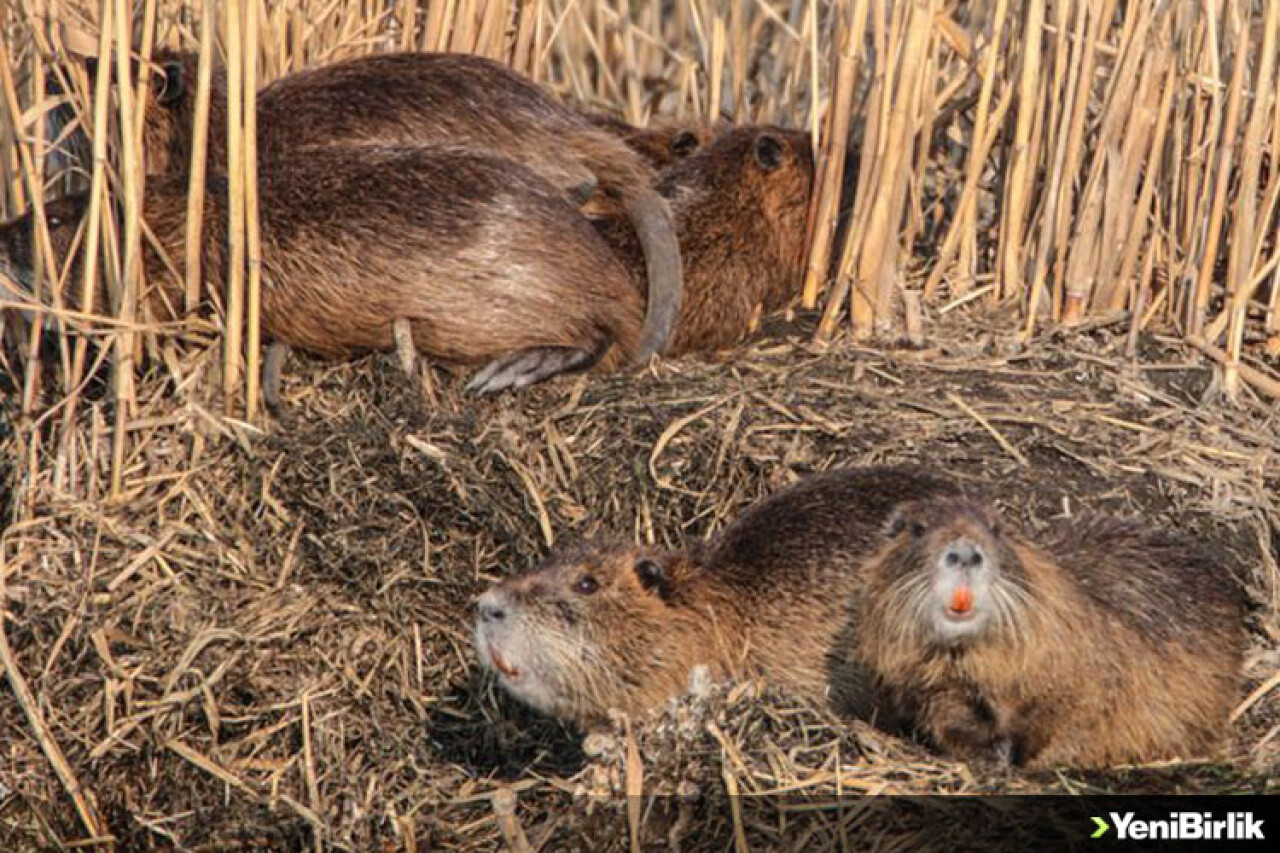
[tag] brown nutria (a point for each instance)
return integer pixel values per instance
(622, 627)
(1109, 643)
(405, 99)
(483, 259)
(741, 204)
(661, 143)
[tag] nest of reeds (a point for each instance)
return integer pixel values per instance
(267, 641)
(227, 634)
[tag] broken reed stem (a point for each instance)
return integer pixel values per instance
(199, 155)
(253, 342)
(234, 322)
(132, 272)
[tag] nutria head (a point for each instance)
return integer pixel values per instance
(948, 575)
(592, 629)
(746, 193)
(170, 110)
(17, 251)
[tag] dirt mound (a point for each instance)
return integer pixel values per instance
(267, 639)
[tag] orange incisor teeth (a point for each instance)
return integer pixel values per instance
(962, 599)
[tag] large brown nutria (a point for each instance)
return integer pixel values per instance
(622, 627)
(484, 260)
(404, 99)
(741, 204)
(1108, 643)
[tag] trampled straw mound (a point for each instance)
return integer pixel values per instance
(267, 641)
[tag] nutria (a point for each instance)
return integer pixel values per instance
(437, 98)
(483, 259)
(621, 627)
(741, 204)
(1109, 642)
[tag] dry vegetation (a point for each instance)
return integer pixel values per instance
(226, 630)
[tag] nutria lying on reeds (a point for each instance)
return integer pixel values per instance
(1109, 642)
(741, 203)
(621, 627)
(478, 257)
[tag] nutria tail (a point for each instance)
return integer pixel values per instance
(622, 174)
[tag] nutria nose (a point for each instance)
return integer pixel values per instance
(490, 611)
(963, 555)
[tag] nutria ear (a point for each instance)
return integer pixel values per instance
(769, 151)
(653, 576)
(168, 83)
(684, 143)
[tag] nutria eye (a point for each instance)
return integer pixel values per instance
(586, 585)
(53, 221)
(896, 525)
(917, 529)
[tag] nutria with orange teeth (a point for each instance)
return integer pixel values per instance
(1107, 643)
(602, 627)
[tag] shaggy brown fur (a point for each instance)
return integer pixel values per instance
(1110, 643)
(482, 257)
(741, 205)
(622, 627)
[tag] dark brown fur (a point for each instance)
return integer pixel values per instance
(482, 257)
(770, 598)
(1109, 643)
(741, 205)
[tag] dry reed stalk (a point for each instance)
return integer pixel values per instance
(199, 154)
(233, 351)
(829, 178)
(93, 223)
(253, 343)
(131, 251)
(1226, 151)
(1018, 185)
(877, 267)
(963, 222)
(1247, 241)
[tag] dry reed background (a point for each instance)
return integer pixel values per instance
(1085, 162)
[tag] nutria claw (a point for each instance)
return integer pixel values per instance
(527, 367)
